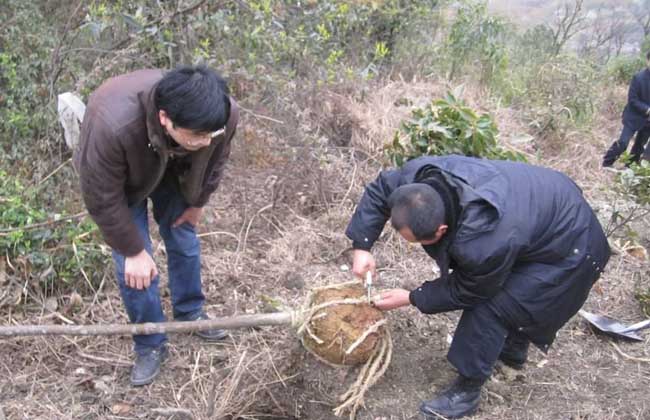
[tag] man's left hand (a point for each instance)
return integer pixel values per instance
(392, 299)
(191, 215)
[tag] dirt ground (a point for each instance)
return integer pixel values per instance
(275, 230)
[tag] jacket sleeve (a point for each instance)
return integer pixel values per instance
(372, 211)
(220, 156)
(102, 171)
(483, 264)
(634, 99)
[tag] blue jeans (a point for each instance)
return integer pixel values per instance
(183, 266)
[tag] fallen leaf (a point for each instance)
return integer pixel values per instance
(637, 252)
(120, 409)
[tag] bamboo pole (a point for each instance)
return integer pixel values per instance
(232, 322)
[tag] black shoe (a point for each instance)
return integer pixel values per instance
(147, 366)
(459, 400)
(512, 363)
(208, 335)
(515, 352)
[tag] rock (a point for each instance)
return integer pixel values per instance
(51, 304)
(294, 281)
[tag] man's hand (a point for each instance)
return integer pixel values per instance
(139, 270)
(392, 299)
(362, 262)
(191, 215)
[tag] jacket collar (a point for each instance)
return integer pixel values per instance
(433, 177)
(157, 137)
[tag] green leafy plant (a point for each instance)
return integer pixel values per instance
(633, 186)
(477, 39)
(634, 181)
(623, 68)
(49, 250)
(447, 126)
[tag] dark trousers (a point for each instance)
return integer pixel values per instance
(485, 332)
(619, 146)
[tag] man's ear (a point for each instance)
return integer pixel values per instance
(442, 229)
(164, 119)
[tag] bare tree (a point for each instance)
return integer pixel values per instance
(641, 13)
(609, 30)
(570, 19)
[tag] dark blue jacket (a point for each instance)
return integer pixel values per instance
(521, 228)
(638, 101)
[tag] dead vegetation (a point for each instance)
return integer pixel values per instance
(275, 230)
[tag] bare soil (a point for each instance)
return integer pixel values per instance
(274, 230)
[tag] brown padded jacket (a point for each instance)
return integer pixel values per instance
(123, 154)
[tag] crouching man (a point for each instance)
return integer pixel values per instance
(518, 249)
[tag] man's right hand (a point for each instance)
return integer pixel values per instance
(139, 270)
(362, 262)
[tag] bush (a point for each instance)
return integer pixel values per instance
(25, 48)
(46, 249)
(447, 126)
(623, 68)
(477, 40)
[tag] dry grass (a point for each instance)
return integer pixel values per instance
(276, 229)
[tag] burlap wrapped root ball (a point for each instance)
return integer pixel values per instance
(343, 328)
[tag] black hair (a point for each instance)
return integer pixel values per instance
(194, 97)
(418, 207)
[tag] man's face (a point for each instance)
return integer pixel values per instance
(187, 139)
(410, 237)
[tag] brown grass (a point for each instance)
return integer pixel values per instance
(274, 230)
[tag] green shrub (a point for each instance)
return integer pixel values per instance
(55, 255)
(634, 181)
(476, 43)
(623, 68)
(447, 126)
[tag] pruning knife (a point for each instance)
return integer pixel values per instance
(369, 284)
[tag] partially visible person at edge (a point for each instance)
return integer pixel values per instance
(518, 249)
(636, 119)
(163, 136)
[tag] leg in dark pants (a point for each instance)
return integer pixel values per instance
(642, 139)
(619, 146)
(488, 332)
(482, 334)
(478, 341)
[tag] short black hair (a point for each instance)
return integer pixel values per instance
(194, 97)
(418, 207)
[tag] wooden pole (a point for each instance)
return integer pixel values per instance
(237, 321)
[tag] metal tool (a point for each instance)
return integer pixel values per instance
(369, 284)
(614, 327)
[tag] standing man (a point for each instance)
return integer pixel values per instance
(636, 119)
(518, 249)
(163, 136)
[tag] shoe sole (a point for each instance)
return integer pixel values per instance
(211, 338)
(434, 416)
(148, 380)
